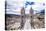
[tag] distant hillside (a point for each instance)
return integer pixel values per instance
(42, 12)
(11, 15)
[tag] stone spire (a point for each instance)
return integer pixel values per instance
(23, 11)
(31, 11)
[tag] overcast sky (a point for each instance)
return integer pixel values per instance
(14, 6)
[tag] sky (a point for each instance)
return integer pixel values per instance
(14, 6)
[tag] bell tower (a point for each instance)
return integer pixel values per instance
(31, 15)
(22, 18)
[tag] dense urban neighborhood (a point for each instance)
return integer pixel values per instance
(25, 21)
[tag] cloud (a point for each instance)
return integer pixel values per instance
(14, 6)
